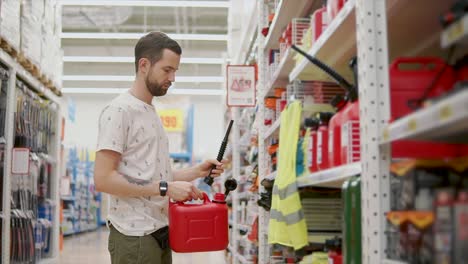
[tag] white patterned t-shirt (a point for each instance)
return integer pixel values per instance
(132, 127)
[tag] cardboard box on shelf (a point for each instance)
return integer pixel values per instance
(30, 34)
(10, 23)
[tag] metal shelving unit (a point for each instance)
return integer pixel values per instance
(372, 29)
(331, 178)
(445, 120)
(16, 71)
(285, 11)
(335, 46)
(273, 128)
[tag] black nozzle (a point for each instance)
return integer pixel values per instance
(332, 73)
(311, 122)
(208, 179)
(354, 67)
(230, 185)
(338, 101)
(325, 117)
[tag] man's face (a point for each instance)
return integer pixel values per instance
(161, 74)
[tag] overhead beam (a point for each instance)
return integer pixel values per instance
(130, 78)
(121, 90)
(107, 59)
(96, 35)
(208, 4)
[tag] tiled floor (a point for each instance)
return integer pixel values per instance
(92, 248)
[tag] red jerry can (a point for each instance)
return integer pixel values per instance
(199, 227)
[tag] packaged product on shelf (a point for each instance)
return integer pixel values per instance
(443, 226)
(461, 227)
(270, 110)
(31, 20)
(10, 22)
(334, 7)
(319, 23)
(409, 177)
(321, 151)
(312, 125)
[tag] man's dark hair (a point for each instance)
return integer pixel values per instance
(152, 45)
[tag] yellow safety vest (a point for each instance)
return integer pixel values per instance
(287, 223)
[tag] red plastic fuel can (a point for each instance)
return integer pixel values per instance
(350, 136)
(313, 124)
(322, 141)
(199, 227)
(334, 132)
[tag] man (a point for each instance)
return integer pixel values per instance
(132, 160)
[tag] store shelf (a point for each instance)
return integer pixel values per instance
(26, 76)
(281, 76)
(445, 120)
(455, 33)
(389, 261)
(334, 47)
(273, 128)
(284, 13)
(331, 178)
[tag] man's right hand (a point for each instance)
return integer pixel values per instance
(183, 191)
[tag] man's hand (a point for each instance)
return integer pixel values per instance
(183, 191)
(205, 167)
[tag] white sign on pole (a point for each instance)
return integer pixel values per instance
(20, 161)
(240, 84)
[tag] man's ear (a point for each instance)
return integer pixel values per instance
(143, 65)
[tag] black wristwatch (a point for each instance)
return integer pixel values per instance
(162, 188)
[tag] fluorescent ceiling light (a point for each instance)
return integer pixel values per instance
(179, 91)
(129, 78)
(93, 35)
(224, 4)
(132, 59)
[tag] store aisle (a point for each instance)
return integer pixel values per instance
(92, 248)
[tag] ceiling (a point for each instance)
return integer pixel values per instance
(98, 38)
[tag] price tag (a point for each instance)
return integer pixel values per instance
(386, 134)
(412, 125)
(172, 119)
(455, 31)
(445, 112)
(20, 161)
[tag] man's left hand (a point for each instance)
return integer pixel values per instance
(205, 167)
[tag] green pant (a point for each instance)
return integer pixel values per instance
(136, 250)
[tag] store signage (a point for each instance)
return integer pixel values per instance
(172, 119)
(20, 161)
(240, 84)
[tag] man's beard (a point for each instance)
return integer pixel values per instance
(155, 88)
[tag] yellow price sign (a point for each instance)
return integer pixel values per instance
(445, 112)
(412, 125)
(386, 134)
(456, 31)
(172, 119)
